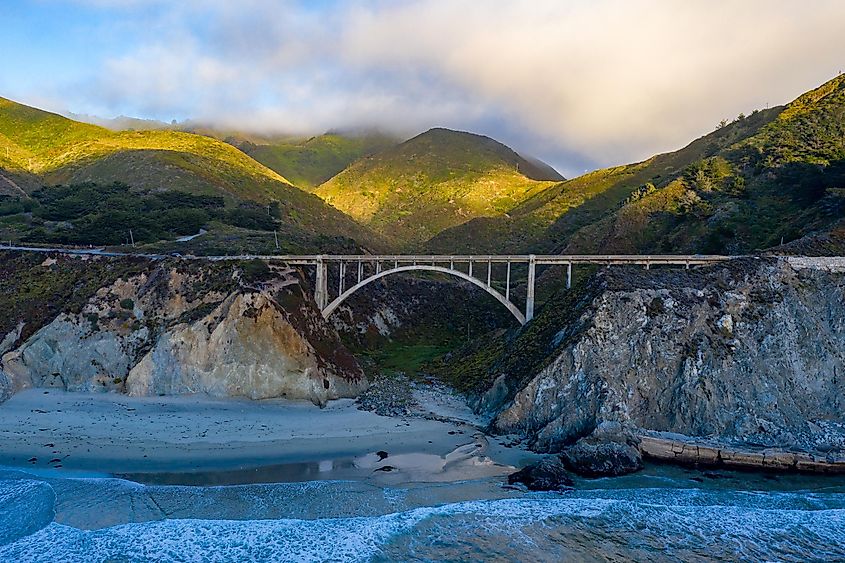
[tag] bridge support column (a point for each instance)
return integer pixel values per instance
(529, 299)
(508, 284)
(569, 275)
(321, 289)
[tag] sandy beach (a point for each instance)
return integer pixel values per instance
(191, 439)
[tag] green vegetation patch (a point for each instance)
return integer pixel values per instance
(311, 162)
(35, 294)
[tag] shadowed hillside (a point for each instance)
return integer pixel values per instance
(308, 163)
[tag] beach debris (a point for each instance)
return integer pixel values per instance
(388, 395)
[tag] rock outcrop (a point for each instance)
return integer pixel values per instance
(749, 354)
(548, 474)
(609, 451)
(247, 346)
(174, 327)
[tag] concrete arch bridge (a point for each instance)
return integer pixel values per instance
(354, 272)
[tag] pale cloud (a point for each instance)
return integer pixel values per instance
(621, 79)
(577, 83)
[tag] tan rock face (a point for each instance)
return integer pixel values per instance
(190, 329)
(245, 347)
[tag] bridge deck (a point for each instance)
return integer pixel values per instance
(370, 267)
(311, 259)
(546, 259)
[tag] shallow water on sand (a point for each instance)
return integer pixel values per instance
(659, 514)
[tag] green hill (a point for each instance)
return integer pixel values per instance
(434, 181)
(310, 162)
(62, 150)
(773, 175)
(41, 148)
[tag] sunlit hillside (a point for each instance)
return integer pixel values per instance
(434, 181)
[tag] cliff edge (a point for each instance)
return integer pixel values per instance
(706, 365)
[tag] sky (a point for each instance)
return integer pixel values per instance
(581, 85)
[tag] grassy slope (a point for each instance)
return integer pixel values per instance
(774, 175)
(434, 181)
(545, 222)
(792, 173)
(308, 163)
(60, 150)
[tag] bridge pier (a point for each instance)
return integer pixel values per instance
(569, 275)
(321, 289)
(508, 283)
(529, 299)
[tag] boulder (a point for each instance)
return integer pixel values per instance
(594, 458)
(548, 474)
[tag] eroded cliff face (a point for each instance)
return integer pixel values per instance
(247, 346)
(174, 328)
(749, 353)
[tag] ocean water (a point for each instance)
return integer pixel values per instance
(671, 515)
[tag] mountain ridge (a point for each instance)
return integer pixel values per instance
(773, 175)
(40, 148)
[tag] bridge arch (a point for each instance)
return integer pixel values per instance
(427, 268)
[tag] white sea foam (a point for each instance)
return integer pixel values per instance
(25, 506)
(684, 523)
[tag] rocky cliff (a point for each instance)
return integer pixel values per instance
(169, 327)
(750, 355)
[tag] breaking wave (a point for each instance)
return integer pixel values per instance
(600, 524)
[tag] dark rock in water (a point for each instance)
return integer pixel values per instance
(548, 474)
(385, 468)
(594, 458)
(382, 455)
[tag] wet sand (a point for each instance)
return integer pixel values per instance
(198, 440)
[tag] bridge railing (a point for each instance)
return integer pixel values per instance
(460, 265)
